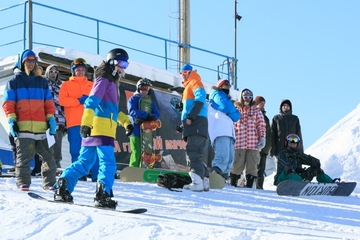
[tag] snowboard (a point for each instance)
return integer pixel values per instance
(147, 134)
(133, 211)
(297, 188)
(133, 174)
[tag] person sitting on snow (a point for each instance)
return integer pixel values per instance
(290, 161)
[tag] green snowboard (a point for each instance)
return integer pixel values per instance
(133, 174)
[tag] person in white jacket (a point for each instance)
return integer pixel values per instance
(221, 117)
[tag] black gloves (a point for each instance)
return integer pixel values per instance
(139, 121)
(105, 70)
(129, 130)
(179, 129)
(85, 131)
(150, 117)
(179, 106)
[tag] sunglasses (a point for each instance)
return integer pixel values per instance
(121, 64)
(293, 139)
(185, 72)
(144, 88)
(54, 71)
(79, 61)
(247, 97)
(30, 60)
(226, 84)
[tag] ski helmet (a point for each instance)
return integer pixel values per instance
(143, 82)
(78, 62)
(292, 138)
(116, 54)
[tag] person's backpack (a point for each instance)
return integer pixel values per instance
(172, 180)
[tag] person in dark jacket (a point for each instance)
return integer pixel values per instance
(290, 161)
(282, 125)
(195, 127)
(260, 104)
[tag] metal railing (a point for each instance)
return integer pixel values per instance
(147, 48)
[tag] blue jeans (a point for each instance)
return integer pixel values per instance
(224, 153)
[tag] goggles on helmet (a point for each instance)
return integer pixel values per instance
(121, 64)
(293, 138)
(79, 61)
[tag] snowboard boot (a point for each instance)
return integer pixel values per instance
(234, 179)
(102, 198)
(197, 184)
(61, 192)
(250, 180)
(151, 125)
(260, 183)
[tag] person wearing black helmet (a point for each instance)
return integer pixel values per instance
(98, 129)
(143, 88)
(290, 161)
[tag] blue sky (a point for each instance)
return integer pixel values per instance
(305, 51)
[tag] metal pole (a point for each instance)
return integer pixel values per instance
(30, 22)
(235, 50)
(237, 18)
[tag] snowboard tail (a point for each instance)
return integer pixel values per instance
(132, 174)
(297, 188)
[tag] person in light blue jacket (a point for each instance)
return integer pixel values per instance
(221, 116)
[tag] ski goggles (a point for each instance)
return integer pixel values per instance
(79, 61)
(293, 139)
(121, 64)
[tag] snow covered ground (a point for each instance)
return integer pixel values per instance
(229, 213)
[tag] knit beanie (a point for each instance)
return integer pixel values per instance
(186, 67)
(259, 99)
(26, 54)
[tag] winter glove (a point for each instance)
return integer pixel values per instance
(139, 121)
(52, 125)
(129, 130)
(261, 144)
(83, 99)
(150, 117)
(288, 169)
(179, 129)
(85, 131)
(179, 106)
(14, 128)
(106, 71)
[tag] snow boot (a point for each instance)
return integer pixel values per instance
(234, 179)
(61, 192)
(206, 183)
(102, 198)
(197, 184)
(250, 180)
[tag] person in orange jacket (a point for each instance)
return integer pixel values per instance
(72, 96)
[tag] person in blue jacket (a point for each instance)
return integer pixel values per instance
(221, 117)
(138, 116)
